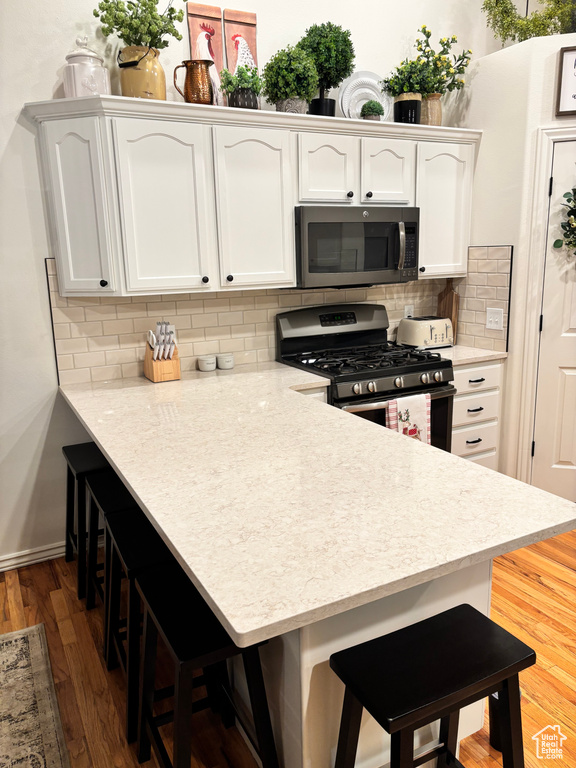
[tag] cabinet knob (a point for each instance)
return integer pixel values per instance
(368, 195)
(230, 278)
(103, 283)
(350, 194)
(205, 279)
(422, 269)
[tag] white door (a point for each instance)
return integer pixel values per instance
(444, 174)
(76, 182)
(328, 167)
(388, 171)
(554, 462)
(255, 203)
(166, 205)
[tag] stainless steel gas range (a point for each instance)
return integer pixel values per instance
(349, 344)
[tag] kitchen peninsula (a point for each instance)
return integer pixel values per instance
(308, 526)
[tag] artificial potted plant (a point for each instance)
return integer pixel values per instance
(405, 84)
(372, 110)
(333, 53)
(290, 80)
(142, 29)
(242, 87)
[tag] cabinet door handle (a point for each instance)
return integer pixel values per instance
(103, 283)
(422, 269)
(473, 442)
(369, 194)
(205, 279)
(350, 194)
(476, 381)
(230, 278)
(476, 410)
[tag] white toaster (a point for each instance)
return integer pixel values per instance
(425, 332)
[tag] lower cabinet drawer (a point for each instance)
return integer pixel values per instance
(474, 439)
(488, 459)
(481, 406)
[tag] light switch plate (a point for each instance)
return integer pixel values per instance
(495, 319)
(408, 310)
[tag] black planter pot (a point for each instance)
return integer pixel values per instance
(407, 111)
(243, 97)
(326, 107)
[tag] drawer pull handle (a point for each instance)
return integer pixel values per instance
(476, 381)
(476, 410)
(473, 442)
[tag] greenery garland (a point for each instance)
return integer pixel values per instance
(569, 225)
(556, 16)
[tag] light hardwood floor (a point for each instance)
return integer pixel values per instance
(534, 596)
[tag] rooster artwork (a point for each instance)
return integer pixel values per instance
(204, 50)
(205, 31)
(244, 56)
(240, 36)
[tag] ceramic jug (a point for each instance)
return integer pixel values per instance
(197, 85)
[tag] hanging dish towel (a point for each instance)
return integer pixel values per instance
(410, 416)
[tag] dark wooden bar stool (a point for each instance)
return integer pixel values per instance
(131, 545)
(195, 640)
(82, 459)
(427, 672)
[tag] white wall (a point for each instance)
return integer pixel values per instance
(34, 38)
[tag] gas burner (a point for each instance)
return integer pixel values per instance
(365, 358)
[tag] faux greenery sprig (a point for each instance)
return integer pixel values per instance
(137, 22)
(569, 225)
(408, 77)
(331, 48)
(371, 107)
(290, 74)
(245, 77)
(442, 72)
(556, 16)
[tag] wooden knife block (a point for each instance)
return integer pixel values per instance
(161, 370)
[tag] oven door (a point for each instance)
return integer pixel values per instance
(441, 405)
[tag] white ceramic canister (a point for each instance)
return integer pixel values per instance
(225, 361)
(207, 362)
(84, 74)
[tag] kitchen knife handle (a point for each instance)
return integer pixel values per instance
(402, 232)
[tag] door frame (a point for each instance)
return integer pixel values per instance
(536, 262)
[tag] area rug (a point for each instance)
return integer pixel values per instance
(30, 730)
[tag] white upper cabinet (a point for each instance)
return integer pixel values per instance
(166, 205)
(388, 171)
(255, 203)
(328, 168)
(72, 151)
(444, 175)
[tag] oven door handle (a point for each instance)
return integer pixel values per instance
(382, 404)
(402, 233)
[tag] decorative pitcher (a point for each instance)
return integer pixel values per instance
(141, 74)
(197, 85)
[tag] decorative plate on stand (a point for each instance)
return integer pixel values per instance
(359, 88)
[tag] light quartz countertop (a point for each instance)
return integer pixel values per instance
(285, 510)
(470, 355)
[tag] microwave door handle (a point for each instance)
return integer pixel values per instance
(402, 232)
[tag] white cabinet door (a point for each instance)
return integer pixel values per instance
(388, 171)
(165, 205)
(255, 204)
(77, 194)
(328, 168)
(444, 195)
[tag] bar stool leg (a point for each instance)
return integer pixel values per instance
(259, 704)
(349, 731)
(147, 678)
(511, 724)
(218, 689)
(93, 515)
(182, 717)
(70, 496)
(448, 737)
(81, 536)
(132, 661)
(107, 567)
(113, 608)
(402, 749)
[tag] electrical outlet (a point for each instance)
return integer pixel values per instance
(495, 319)
(408, 310)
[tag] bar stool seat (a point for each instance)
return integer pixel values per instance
(132, 545)
(195, 640)
(427, 672)
(82, 460)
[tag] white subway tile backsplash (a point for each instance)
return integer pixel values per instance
(77, 376)
(202, 321)
(106, 373)
(71, 346)
(117, 327)
(68, 314)
(89, 359)
(83, 330)
(100, 312)
(102, 343)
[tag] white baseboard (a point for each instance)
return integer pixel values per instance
(31, 556)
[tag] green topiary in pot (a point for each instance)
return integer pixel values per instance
(290, 80)
(333, 53)
(372, 110)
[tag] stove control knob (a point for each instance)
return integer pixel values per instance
(425, 378)
(371, 386)
(357, 389)
(399, 381)
(438, 376)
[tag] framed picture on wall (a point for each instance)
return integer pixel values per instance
(566, 99)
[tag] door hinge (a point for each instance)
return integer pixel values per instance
(533, 447)
(541, 323)
(550, 186)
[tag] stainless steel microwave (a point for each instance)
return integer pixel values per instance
(343, 246)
